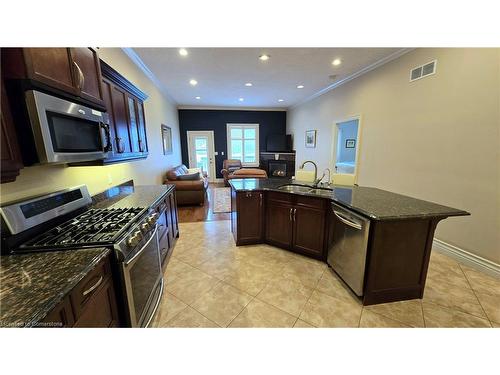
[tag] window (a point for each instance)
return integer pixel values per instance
(243, 143)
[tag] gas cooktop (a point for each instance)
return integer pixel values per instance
(93, 227)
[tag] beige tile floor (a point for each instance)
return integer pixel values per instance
(210, 282)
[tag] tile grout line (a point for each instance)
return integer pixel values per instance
(475, 295)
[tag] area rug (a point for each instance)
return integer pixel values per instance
(222, 200)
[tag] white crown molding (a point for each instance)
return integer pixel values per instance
(141, 65)
(467, 258)
(355, 75)
(215, 108)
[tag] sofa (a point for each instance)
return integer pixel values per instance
(190, 184)
(232, 168)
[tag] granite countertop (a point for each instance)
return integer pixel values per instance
(124, 196)
(31, 285)
(374, 203)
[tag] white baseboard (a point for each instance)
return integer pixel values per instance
(469, 259)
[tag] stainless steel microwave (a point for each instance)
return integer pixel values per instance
(66, 132)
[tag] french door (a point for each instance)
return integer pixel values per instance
(201, 152)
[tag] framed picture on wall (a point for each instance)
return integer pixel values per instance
(350, 143)
(311, 138)
(166, 136)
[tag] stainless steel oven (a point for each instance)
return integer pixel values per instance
(64, 131)
(142, 275)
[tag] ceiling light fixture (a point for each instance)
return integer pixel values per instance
(264, 57)
(193, 82)
(336, 62)
(280, 100)
(248, 84)
(241, 99)
(198, 98)
(183, 52)
(300, 86)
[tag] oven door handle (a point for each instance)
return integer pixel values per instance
(131, 260)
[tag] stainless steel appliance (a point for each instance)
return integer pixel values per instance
(64, 131)
(63, 221)
(347, 254)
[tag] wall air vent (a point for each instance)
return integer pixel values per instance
(423, 71)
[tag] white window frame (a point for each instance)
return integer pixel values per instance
(243, 127)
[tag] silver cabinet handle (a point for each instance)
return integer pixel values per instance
(347, 221)
(291, 210)
(294, 214)
(93, 287)
(260, 199)
(81, 80)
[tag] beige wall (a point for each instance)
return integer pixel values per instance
(158, 109)
(436, 139)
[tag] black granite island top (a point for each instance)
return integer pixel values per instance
(374, 203)
(31, 285)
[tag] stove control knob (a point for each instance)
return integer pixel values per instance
(152, 219)
(134, 239)
(145, 227)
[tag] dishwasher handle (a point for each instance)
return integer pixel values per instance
(346, 221)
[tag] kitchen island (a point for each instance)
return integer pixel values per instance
(399, 230)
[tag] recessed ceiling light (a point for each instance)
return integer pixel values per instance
(193, 82)
(241, 99)
(280, 100)
(198, 98)
(300, 86)
(183, 52)
(248, 84)
(336, 62)
(264, 57)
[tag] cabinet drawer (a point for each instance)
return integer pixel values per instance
(162, 224)
(89, 286)
(279, 197)
(319, 203)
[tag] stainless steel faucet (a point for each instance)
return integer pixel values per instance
(316, 180)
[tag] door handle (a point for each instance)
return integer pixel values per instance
(291, 211)
(81, 77)
(294, 214)
(346, 221)
(260, 199)
(93, 287)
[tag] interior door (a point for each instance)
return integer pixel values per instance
(202, 151)
(345, 152)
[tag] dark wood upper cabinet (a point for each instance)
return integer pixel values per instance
(87, 73)
(11, 155)
(121, 121)
(70, 71)
(52, 66)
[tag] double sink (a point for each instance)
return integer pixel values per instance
(305, 189)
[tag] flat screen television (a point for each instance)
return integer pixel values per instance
(279, 143)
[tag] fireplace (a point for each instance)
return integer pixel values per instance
(277, 168)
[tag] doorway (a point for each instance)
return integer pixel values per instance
(346, 142)
(201, 152)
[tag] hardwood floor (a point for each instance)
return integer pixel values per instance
(189, 214)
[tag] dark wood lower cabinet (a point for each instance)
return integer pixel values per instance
(92, 303)
(309, 231)
(279, 224)
(250, 222)
(168, 226)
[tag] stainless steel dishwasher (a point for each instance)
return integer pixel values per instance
(347, 253)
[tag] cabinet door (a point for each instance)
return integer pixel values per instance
(52, 66)
(120, 115)
(61, 316)
(308, 231)
(174, 226)
(279, 224)
(141, 124)
(11, 155)
(106, 94)
(250, 220)
(133, 123)
(87, 73)
(101, 311)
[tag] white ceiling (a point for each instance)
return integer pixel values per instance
(222, 73)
